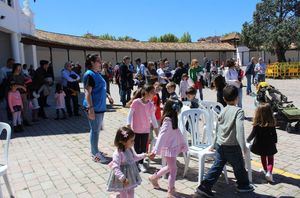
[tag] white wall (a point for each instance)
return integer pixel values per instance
(197, 55)
(43, 53)
(153, 56)
(141, 55)
(109, 56)
(59, 58)
(184, 56)
(77, 56)
(120, 56)
(5, 48)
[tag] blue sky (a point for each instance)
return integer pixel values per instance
(142, 19)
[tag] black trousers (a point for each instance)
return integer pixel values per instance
(164, 93)
(42, 103)
(140, 143)
(69, 97)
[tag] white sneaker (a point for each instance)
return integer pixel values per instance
(262, 171)
(269, 177)
(142, 168)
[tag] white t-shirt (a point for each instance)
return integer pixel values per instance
(161, 74)
(231, 77)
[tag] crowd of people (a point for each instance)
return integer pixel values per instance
(153, 112)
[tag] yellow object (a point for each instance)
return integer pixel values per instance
(283, 70)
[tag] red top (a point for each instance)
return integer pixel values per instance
(156, 101)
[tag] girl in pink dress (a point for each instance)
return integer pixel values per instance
(124, 176)
(140, 118)
(16, 106)
(60, 101)
(169, 144)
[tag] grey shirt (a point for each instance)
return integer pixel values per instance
(230, 127)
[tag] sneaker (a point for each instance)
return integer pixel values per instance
(100, 158)
(263, 171)
(203, 190)
(244, 189)
(269, 177)
(142, 168)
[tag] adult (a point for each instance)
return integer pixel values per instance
(41, 84)
(207, 66)
(196, 77)
(4, 84)
(178, 72)
(105, 75)
(151, 74)
(126, 81)
(140, 69)
(25, 71)
(18, 77)
(249, 73)
(31, 71)
(260, 71)
(232, 77)
(49, 81)
(163, 80)
(95, 103)
(71, 88)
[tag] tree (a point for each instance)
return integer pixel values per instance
(127, 38)
(186, 38)
(153, 39)
(274, 27)
(168, 38)
(89, 35)
(107, 37)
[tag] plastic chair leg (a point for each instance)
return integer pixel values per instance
(7, 185)
(186, 163)
(248, 165)
(225, 174)
(201, 168)
(1, 195)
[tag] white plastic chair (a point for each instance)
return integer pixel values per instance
(247, 154)
(3, 167)
(210, 107)
(198, 148)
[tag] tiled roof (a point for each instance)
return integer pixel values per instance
(230, 36)
(64, 40)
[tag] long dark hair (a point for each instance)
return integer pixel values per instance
(123, 135)
(58, 88)
(89, 59)
(171, 109)
(219, 82)
(15, 66)
(141, 92)
(264, 116)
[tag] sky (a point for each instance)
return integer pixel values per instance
(142, 19)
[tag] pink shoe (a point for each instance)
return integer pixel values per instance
(154, 182)
(172, 193)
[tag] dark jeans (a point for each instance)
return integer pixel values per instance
(249, 76)
(140, 143)
(233, 155)
(125, 96)
(68, 99)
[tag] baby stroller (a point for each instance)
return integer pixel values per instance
(286, 114)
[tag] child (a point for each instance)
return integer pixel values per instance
(35, 105)
(60, 101)
(169, 144)
(184, 85)
(229, 143)
(265, 138)
(196, 77)
(219, 83)
(124, 176)
(171, 87)
(16, 106)
(191, 96)
(140, 114)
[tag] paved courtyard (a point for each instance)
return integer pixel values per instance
(51, 158)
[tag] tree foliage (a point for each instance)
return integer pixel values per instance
(186, 38)
(107, 37)
(274, 27)
(153, 39)
(89, 35)
(168, 38)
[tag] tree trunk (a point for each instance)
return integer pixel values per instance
(280, 54)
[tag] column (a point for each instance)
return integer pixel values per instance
(22, 55)
(15, 44)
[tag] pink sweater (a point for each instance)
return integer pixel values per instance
(170, 142)
(140, 115)
(14, 99)
(119, 158)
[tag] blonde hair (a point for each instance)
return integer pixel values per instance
(194, 63)
(264, 116)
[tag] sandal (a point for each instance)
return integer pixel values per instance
(171, 193)
(154, 182)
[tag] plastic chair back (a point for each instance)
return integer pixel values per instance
(7, 128)
(192, 117)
